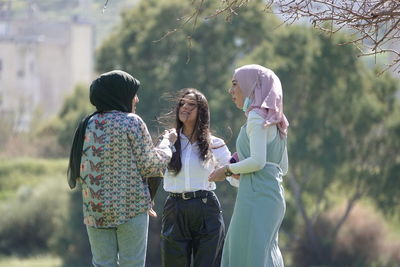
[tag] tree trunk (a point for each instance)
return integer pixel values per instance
(350, 204)
(312, 236)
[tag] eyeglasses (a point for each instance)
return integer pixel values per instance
(190, 104)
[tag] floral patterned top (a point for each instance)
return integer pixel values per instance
(118, 154)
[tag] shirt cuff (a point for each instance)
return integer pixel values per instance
(166, 146)
(233, 168)
(234, 182)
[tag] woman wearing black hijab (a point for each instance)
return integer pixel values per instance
(111, 155)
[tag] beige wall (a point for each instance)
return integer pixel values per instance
(82, 46)
(38, 74)
(19, 83)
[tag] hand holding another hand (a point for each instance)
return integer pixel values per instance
(171, 135)
(217, 175)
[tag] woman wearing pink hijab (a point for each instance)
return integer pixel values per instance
(252, 238)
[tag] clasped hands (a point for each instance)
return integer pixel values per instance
(218, 175)
(171, 135)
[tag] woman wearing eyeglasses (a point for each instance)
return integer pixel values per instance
(192, 223)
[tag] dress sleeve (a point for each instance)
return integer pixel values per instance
(150, 160)
(258, 136)
(220, 152)
(223, 155)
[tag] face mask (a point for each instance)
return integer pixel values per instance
(246, 104)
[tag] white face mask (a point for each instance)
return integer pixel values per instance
(248, 100)
(246, 104)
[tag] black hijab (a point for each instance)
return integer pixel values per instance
(113, 90)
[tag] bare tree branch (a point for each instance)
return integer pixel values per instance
(104, 6)
(374, 23)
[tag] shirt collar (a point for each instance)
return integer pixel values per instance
(184, 138)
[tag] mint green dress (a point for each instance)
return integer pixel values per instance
(252, 238)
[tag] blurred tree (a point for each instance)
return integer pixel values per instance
(169, 65)
(60, 130)
(75, 108)
(338, 137)
(374, 24)
(364, 240)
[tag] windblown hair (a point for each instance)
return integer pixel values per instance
(201, 131)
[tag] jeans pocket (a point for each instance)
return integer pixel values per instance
(213, 204)
(213, 219)
(169, 210)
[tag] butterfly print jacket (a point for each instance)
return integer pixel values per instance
(117, 155)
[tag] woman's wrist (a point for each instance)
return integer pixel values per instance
(164, 142)
(227, 172)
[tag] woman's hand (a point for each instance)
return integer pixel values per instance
(217, 175)
(236, 176)
(171, 135)
(152, 213)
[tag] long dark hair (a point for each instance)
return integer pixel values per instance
(201, 131)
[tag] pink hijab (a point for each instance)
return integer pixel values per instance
(264, 89)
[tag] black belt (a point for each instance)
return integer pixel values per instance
(190, 195)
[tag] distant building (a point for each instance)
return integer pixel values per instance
(40, 63)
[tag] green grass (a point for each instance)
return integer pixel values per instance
(34, 261)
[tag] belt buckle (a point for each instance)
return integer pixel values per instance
(183, 196)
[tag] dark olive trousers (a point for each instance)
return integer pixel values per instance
(192, 229)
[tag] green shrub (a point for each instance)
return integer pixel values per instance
(32, 217)
(41, 214)
(28, 172)
(361, 241)
(71, 243)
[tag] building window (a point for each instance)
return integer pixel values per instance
(21, 73)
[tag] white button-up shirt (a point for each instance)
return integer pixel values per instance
(194, 173)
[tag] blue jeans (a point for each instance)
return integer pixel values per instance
(124, 245)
